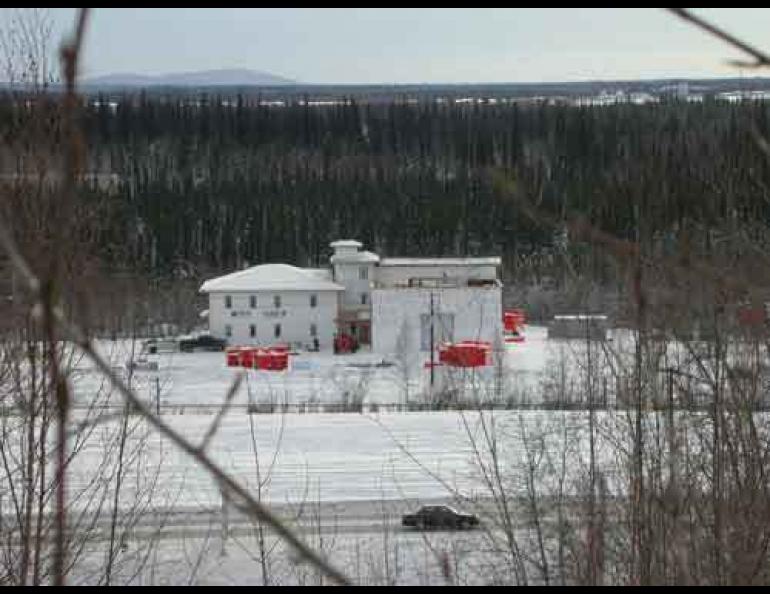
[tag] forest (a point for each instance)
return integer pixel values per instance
(186, 187)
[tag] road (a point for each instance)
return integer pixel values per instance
(351, 517)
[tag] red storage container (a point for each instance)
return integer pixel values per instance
(514, 319)
(446, 354)
(272, 360)
(233, 357)
(261, 359)
(277, 361)
(248, 356)
(469, 353)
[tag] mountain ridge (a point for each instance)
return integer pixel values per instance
(220, 77)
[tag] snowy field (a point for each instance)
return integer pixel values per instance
(201, 379)
(318, 456)
(355, 464)
(329, 457)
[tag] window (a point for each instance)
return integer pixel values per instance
(313, 330)
(228, 302)
(278, 331)
(252, 330)
(313, 300)
(253, 301)
(364, 298)
(363, 273)
(228, 330)
(277, 301)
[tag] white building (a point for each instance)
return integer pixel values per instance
(394, 304)
(274, 303)
(452, 299)
(356, 271)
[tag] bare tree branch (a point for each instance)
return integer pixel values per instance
(222, 411)
(226, 482)
(760, 58)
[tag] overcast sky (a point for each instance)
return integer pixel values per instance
(415, 45)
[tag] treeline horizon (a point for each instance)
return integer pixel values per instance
(194, 186)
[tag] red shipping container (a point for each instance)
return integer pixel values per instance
(446, 354)
(469, 354)
(513, 320)
(260, 359)
(249, 356)
(278, 361)
(233, 356)
(272, 360)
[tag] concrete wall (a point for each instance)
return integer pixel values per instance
(295, 315)
(397, 321)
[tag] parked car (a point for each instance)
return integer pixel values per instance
(439, 516)
(201, 342)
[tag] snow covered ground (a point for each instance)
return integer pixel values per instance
(348, 460)
(329, 457)
(202, 379)
(326, 456)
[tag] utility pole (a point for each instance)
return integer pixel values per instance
(431, 342)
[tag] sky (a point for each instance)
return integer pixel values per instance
(417, 45)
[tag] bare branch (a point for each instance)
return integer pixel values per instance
(760, 58)
(226, 482)
(222, 411)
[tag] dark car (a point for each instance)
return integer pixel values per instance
(202, 342)
(439, 516)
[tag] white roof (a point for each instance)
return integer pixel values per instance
(491, 261)
(322, 273)
(270, 277)
(346, 243)
(355, 257)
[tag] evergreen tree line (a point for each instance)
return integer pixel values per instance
(194, 185)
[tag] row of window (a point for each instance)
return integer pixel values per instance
(276, 330)
(276, 301)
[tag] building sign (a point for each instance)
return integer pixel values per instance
(274, 313)
(240, 313)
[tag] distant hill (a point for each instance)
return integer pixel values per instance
(204, 78)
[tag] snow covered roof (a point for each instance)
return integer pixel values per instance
(355, 257)
(491, 261)
(346, 243)
(271, 277)
(322, 273)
